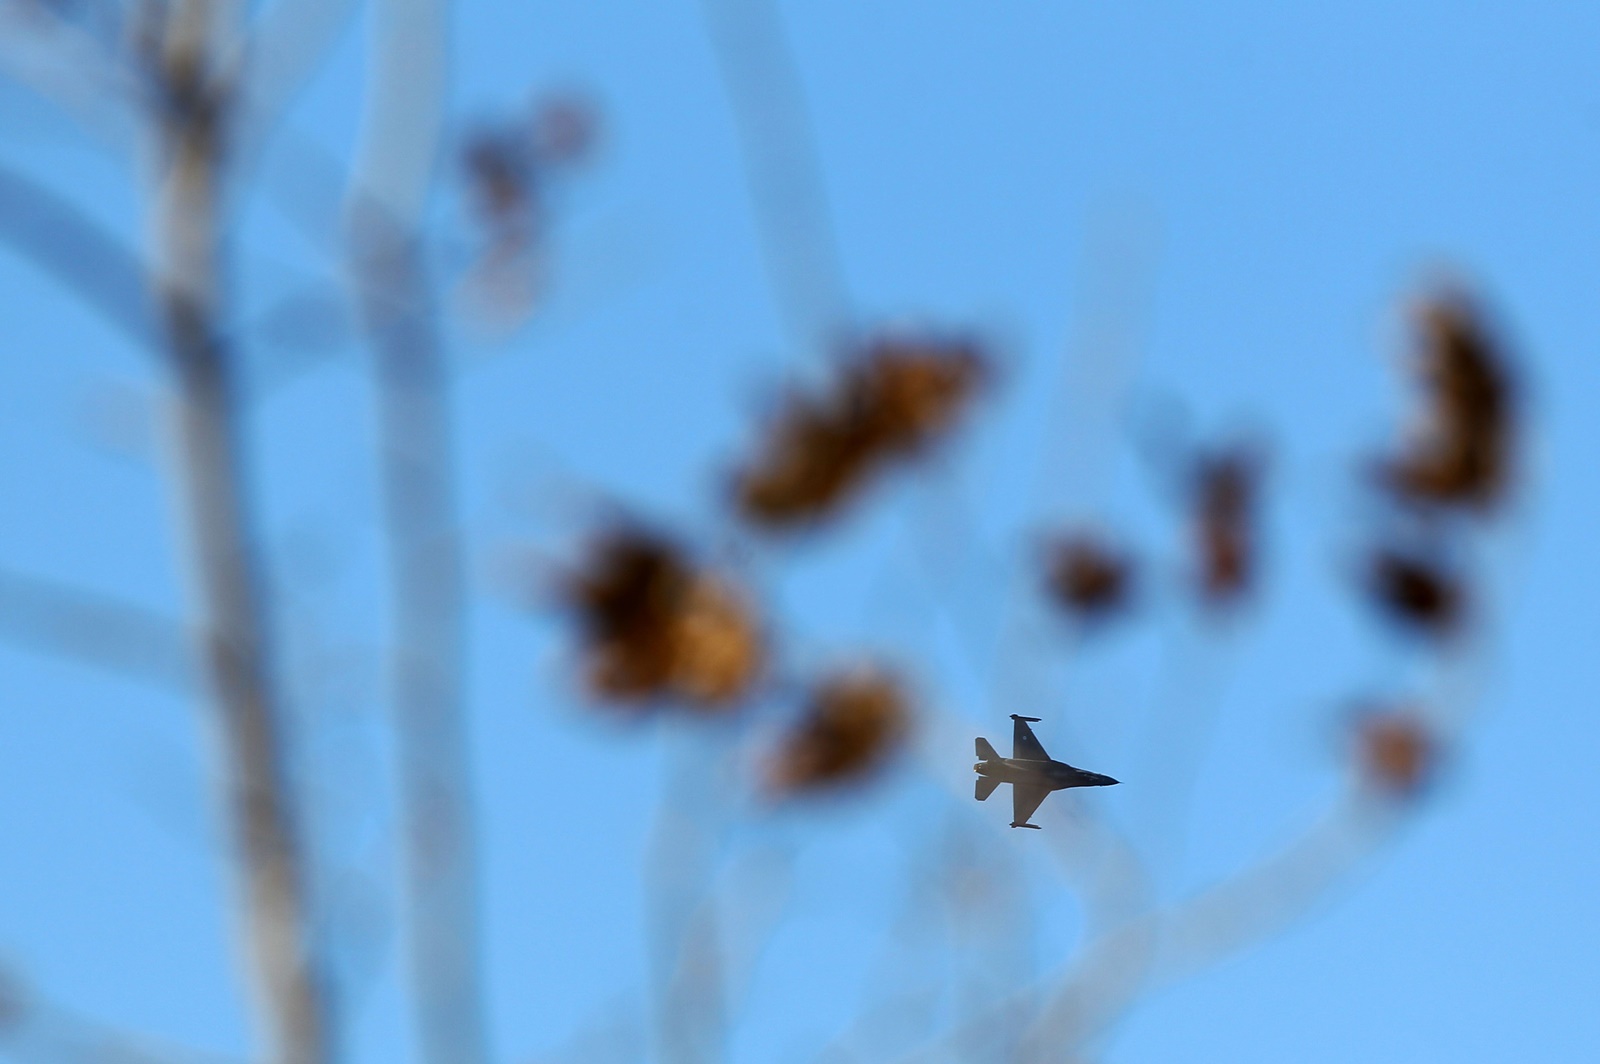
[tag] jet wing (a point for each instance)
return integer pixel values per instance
(1025, 798)
(1024, 746)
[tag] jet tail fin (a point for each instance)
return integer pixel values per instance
(986, 752)
(985, 786)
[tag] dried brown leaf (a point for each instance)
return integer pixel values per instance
(893, 399)
(1226, 485)
(1397, 751)
(1086, 576)
(1462, 454)
(652, 625)
(1419, 592)
(853, 724)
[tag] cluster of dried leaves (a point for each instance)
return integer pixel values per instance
(853, 723)
(1087, 577)
(1090, 579)
(1460, 454)
(892, 398)
(656, 628)
(509, 168)
(1440, 485)
(1456, 464)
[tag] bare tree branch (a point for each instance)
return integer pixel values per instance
(97, 267)
(781, 167)
(1257, 902)
(429, 635)
(397, 151)
(391, 184)
(688, 965)
(33, 1028)
(64, 64)
(288, 41)
(1158, 946)
(96, 629)
(229, 573)
(1101, 984)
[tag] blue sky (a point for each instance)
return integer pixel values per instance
(1238, 197)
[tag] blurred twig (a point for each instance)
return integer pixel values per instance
(1103, 981)
(33, 1028)
(1257, 901)
(1110, 318)
(782, 167)
(288, 40)
(95, 629)
(1133, 946)
(65, 65)
(389, 189)
(1180, 727)
(417, 457)
(193, 125)
(686, 951)
(98, 268)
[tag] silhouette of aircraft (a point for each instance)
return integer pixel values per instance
(1030, 771)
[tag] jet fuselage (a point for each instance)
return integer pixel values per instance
(1057, 775)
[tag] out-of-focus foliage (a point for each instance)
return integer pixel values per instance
(654, 625)
(1088, 577)
(510, 169)
(1225, 483)
(892, 397)
(1396, 750)
(854, 722)
(1418, 591)
(1460, 451)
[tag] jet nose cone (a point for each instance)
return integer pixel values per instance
(1097, 780)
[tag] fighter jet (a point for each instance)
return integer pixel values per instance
(1030, 771)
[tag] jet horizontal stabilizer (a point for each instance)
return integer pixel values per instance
(1035, 827)
(1030, 720)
